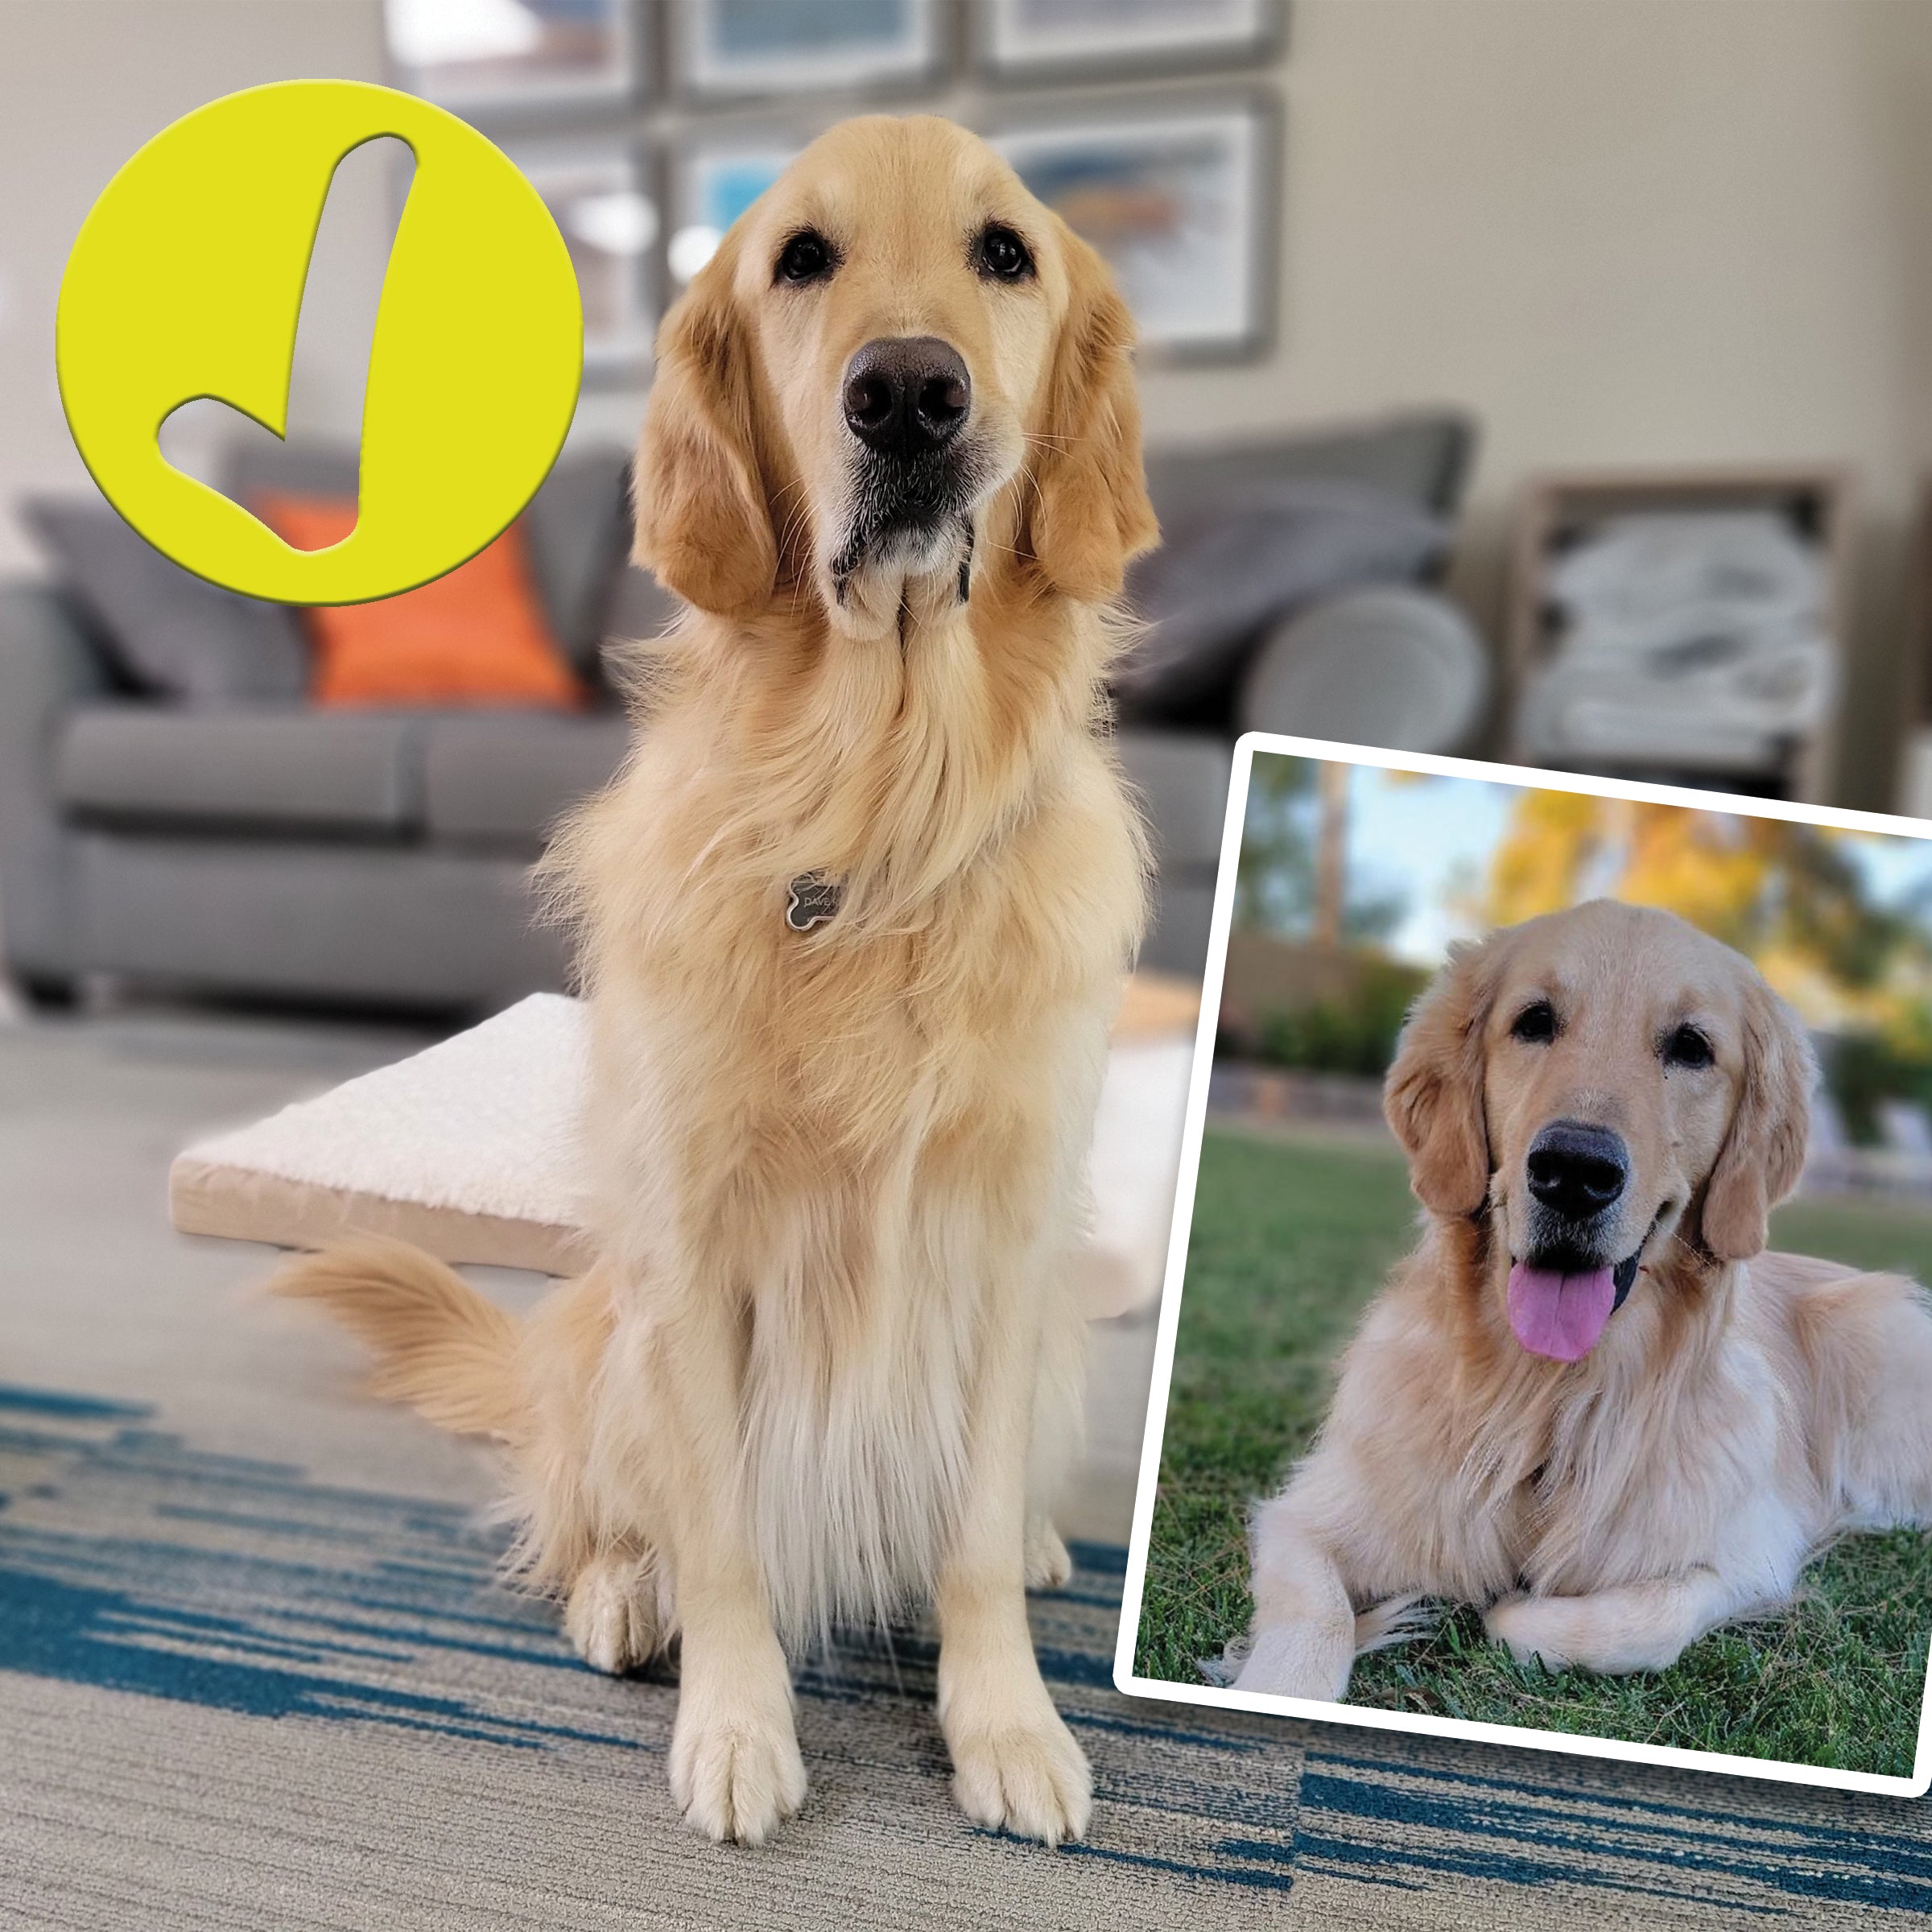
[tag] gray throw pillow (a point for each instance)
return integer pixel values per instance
(1231, 564)
(170, 632)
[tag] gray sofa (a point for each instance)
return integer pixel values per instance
(382, 856)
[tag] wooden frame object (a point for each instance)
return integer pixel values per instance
(1913, 784)
(1123, 170)
(788, 51)
(539, 59)
(1063, 40)
(1556, 508)
(603, 191)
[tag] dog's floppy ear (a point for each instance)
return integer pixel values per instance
(1764, 1153)
(1089, 514)
(704, 523)
(1432, 1097)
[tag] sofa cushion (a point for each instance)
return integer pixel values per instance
(506, 779)
(1422, 456)
(577, 525)
(1391, 665)
(270, 770)
(168, 631)
(477, 634)
(1234, 561)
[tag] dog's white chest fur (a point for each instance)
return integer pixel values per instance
(853, 1415)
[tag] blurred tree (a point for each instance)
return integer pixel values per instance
(1760, 884)
(1274, 889)
(1294, 880)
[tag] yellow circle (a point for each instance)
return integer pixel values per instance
(186, 281)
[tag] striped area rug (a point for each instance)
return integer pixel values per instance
(233, 1696)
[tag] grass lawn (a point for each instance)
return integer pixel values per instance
(1290, 1241)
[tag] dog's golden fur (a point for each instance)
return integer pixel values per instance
(1740, 1411)
(829, 1353)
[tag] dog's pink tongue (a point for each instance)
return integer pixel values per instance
(1559, 1315)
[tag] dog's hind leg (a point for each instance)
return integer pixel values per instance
(1870, 1338)
(1048, 1566)
(1302, 1643)
(617, 1614)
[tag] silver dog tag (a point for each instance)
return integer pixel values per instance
(814, 900)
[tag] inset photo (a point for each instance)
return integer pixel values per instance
(1545, 1357)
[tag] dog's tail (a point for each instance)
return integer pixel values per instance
(441, 1347)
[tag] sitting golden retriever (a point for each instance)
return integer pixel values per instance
(854, 919)
(1589, 1401)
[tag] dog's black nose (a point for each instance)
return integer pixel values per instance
(1576, 1171)
(906, 395)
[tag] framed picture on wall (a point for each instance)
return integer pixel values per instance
(726, 49)
(1024, 38)
(1179, 200)
(479, 55)
(717, 180)
(606, 205)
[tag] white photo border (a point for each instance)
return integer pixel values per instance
(1519, 1737)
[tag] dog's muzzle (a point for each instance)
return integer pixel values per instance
(1572, 1282)
(908, 402)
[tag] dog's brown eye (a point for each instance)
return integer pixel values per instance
(1688, 1047)
(1536, 1023)
(1001, 255)
(805, 258)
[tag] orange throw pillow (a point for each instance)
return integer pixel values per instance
(476, 636)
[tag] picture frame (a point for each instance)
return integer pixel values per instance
(516, 56)
(725, 50)
(1179, 196)
(718, 175)
(1055, 40)
(606, 200)
(1210, 1087)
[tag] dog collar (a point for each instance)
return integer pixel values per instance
(813, 900)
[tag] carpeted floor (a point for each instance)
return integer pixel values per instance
(254, 1672)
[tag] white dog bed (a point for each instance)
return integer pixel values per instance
(467, 1148)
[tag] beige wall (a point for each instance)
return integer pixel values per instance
(1622, 231)
(1618, 231)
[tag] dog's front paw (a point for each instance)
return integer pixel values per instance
(1028, 1777)
(1298, 1660)
(736, 1774)
(611, 1617)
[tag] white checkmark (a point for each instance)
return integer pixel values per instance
(336, 328)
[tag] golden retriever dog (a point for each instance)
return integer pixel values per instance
(1589, 1401)
(854, 921)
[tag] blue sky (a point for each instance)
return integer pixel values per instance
(1426, 840)
(1430, 840)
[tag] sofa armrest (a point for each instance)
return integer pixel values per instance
(48, 666)
(1392, 666)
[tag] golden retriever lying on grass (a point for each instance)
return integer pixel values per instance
(1589, 1401)
(854, 919)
